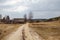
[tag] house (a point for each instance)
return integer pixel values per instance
(18, 20)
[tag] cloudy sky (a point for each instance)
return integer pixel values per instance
(39, 8)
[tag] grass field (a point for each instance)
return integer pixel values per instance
(5, 29)
(47, 30)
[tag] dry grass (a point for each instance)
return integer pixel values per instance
(47, 30)
(5, 29)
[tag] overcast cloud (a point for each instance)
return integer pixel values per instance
(39, 8)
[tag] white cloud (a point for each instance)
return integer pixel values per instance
(11, 2)
(14, 2)
(8, 3)
(16, 9)
(21, 8)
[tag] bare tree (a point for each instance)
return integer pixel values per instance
(30, 16)
(7, 19)
(25, 17)
(0, 16)
(3, 20)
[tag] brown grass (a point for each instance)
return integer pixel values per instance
(5, 29)
(47, 30)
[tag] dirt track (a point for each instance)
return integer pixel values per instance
(23, 33)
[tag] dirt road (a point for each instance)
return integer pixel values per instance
(23, 33)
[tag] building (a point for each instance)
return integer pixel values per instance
(18, 20)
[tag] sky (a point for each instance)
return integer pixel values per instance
(39, 8)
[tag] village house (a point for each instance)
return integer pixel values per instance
(18, 20)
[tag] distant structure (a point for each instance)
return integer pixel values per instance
(25, 18)
(3, 20)
(18, 20)
(7, 19)
(30, 16)
(30, 19)
(0, 16)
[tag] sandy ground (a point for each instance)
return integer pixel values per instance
(23, 33)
